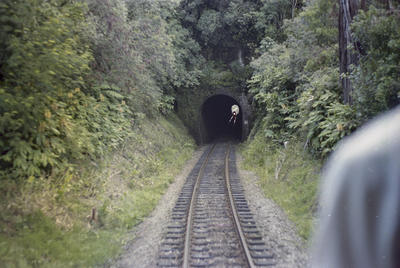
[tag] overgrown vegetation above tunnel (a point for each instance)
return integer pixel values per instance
(287, 51)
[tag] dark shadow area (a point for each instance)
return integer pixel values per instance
(216, 112)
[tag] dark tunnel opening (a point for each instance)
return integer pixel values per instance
(216, 112)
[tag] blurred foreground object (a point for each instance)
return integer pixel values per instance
(359, 223)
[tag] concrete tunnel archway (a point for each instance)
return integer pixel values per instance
(215, 115)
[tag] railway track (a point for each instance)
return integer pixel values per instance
(211, 224)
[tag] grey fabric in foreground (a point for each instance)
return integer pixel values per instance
(359, 225)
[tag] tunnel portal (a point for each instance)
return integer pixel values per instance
(216, 112)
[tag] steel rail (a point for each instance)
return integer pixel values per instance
(239, 230)
(186, 252)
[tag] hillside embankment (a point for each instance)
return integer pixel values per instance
(82, 218)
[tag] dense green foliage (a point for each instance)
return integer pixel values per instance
(296, 82)
(223, 28)
(377, 77)
(45, 63)
(74, 77)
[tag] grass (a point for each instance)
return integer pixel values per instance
(47, 223)
(39, 242)
(289, 176)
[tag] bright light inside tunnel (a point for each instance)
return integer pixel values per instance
(216, 112)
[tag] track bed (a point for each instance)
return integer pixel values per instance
(211, 224)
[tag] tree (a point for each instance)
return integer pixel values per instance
(349, 49)
(46, 61)
(347, 11)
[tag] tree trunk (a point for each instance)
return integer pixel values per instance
(363, 5)
(347, 10)
(294, 4)
(389, 5)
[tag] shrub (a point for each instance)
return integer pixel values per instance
(376, 78)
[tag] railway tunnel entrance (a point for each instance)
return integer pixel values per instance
(215, 113)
